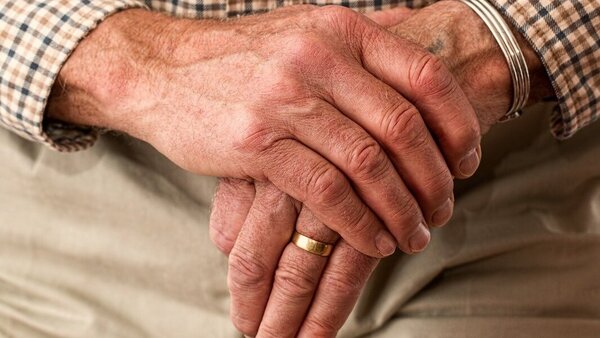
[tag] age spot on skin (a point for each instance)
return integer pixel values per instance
(436, 46)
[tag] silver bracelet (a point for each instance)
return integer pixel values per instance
(512, 52)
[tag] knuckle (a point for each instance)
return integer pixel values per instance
(327, 185)
(221, 240)
(468, 135)
(406, 130)
(306, 51)
(247, 271)
(440, 184)
(268, 331)
(464, 135)
(458, 142)
(318, 327)
(244, 324)
(294, 282)
(407, 212)
(346, 285)
(343, 283)
(430, 76)
(286, 79)
(435, 190)
(367, 161)
(272, 202)
(357, 223)
(346, 22)
(395, 117)
(258, 135)
(338, 14)
(301, 45)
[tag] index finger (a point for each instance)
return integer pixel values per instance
(252, 262)
(230, 207)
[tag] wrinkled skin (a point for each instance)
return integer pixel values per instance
(322, 103)
(296, 293)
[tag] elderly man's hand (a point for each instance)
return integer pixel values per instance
(272, 281)
(321, 102)
(296, 292)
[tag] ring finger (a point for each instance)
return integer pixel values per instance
(296, 280)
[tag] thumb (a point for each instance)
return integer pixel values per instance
(391, 17)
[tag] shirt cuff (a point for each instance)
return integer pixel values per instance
(37, 38)
(566, 37)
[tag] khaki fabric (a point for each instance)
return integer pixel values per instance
(113, 242)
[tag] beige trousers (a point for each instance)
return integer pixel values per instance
(113, 242)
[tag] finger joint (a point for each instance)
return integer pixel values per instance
(247, 271)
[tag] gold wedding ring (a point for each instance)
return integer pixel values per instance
(311, 245)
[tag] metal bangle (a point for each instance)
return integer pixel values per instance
(512, 52)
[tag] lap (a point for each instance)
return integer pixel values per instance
(110, 242)
(114, 242)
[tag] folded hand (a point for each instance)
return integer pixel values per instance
(280, 290)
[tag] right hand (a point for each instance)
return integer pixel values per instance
(302, 98)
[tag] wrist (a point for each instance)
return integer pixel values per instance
(452, 31)
(113, 73)
(540, 85)
(505, 33)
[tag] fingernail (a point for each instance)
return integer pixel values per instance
(469, 163)
(386, 244)
(442, 214)
(419, 240)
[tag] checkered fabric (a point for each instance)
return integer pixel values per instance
(566, 36)
(37, 36)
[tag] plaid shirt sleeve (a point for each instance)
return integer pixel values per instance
(36, 38)
(566, 36)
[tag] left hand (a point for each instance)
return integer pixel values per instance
(272, 286)
(273, 282)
